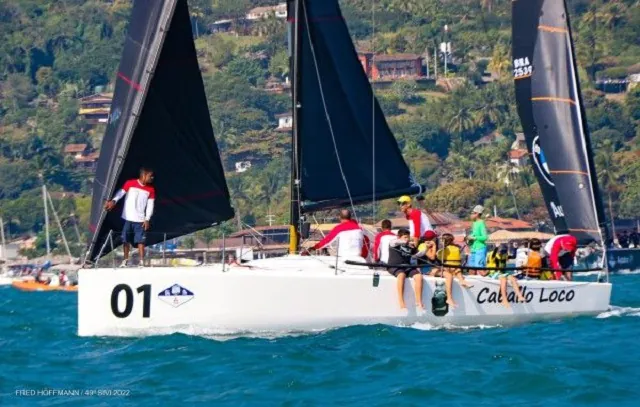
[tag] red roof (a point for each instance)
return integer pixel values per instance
(89, 158)
(396, 57)
(75, 148)
(506, 223)
(517, 154)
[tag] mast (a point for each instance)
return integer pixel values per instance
(46, 218)
(64, 238)
(293, 8)
(4, 243)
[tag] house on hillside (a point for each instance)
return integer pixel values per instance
(285, 122)
(489, 139)
(391, 67)
(95, 108)
(259, 13)
(88, 162)
(75, 150)
(520, 143)
(518, 157)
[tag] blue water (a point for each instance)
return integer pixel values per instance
(584, 361)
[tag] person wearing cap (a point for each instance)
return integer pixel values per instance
(352, 243)
(478, 239)
(418, 221)
(427, 250)
(382, 241)
(561, 251)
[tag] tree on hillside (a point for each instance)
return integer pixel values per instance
(607, 174)
(279, 64)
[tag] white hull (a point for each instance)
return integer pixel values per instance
(4, 280)
(301, 294)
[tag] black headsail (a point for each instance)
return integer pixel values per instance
(337, 119)
(552, 114)
(160, 119)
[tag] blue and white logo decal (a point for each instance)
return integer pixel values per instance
(115, 115)
(541, 161)
(176, 295)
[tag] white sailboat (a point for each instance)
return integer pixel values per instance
(291, 293)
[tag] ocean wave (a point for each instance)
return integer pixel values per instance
(421, 326)
(615, 311)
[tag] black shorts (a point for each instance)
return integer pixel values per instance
(406, 272)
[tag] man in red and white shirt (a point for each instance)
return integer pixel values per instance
(351, 241)
(561, 250)
(418, 221)
(382, 242)
(137, 211)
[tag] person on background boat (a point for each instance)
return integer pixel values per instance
(381, 242)
(137, 212)
(477, 239)
(561, 251)
(450, 258)
(350, 239)
(64, 279)
(400, 252)
(634, 237)
(418, 221)
(497, 259)
(623, 240)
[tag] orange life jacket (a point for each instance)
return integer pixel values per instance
(534, 264)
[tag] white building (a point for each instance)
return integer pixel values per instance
(260, 13)
(285, 122)
(242, 166)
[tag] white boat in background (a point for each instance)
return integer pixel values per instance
(336, 133)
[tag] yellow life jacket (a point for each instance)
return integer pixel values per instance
(497, 260)
(449, 256)
(534, 264)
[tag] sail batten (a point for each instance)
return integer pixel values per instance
(552, 115)
(160, 119)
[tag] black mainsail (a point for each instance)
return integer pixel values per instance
(344, 151)
(160, 119)
(553, 117)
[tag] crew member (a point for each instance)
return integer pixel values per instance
(351, 241)
(561, 251)
(137, 212)
(418, 221)
(382, 241)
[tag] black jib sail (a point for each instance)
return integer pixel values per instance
(160, 119)
(552, 115)
(339, 125)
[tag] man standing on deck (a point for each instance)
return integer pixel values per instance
(477, 240)
(418, 221)
(137, 212)
(352, 243)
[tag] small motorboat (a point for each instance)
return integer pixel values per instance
(37, 286)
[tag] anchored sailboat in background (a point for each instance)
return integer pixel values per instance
(343, 153)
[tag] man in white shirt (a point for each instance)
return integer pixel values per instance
(137, 212)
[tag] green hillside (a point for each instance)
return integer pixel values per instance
(54, 52)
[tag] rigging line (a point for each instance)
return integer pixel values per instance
(326, 111)
(373, 114)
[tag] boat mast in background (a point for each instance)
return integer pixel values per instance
(46, 218)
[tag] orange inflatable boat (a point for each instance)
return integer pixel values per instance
(33, 286)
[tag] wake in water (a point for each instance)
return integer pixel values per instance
(615, 311)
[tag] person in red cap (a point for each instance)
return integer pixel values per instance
(561, 251)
